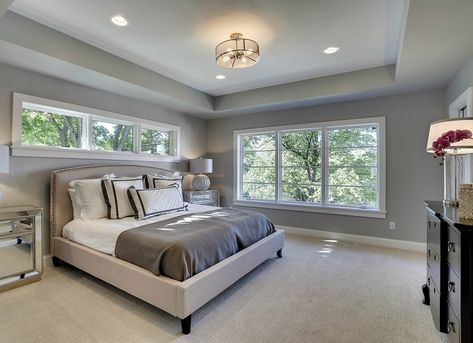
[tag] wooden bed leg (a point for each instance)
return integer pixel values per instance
(186, 325)
(56, 261)
(279, 253)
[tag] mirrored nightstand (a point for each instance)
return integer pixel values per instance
(209, 197)
(20, 246)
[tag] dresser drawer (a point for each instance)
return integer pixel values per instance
(454, 250)
(433, 231)
(453, 327)
(454, 291)
(433, 262)
(435, 304)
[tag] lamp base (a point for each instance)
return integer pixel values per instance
(201, 182)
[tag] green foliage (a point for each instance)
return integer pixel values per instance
(112, 137)
(301, 166)
(258, 167)
(50, 129)
(352, 166)
(153, 141)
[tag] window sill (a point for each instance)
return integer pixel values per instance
(312, 208)
(24, 151)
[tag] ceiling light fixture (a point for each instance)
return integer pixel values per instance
(331, 50)
(220, 77)
(119, 20)
(237, 52)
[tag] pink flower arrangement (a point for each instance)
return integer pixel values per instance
(447, 139)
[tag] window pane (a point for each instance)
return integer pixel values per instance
(359, 176)
(363, 197)
(257, 191)
(258, 166)
(353, 137)
(49, 128)
(258, 142)
(301, 166)
(111, 136)
(261, 175)
(158, 142)
(301, 193)
(353, 166)
(259, 158)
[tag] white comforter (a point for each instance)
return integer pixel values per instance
(102, 234)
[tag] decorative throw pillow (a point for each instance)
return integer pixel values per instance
(90, 197)
(75, 203)
(116, 197)
(156, 201)
(157, 181)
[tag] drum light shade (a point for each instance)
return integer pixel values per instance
(201, 165)
(237, 52)
(438, 128)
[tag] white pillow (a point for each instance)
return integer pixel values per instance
(158, 181)
(90, 199)
(156, 201)
(116, 196)
(75, 203)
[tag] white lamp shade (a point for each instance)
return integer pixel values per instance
(200, 165)
(438, 128)
(4, 159)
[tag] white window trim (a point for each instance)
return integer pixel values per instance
(380, 212)
(88, 114)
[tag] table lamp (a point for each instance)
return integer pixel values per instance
(201, 165)
(450, 137)
(4, 162)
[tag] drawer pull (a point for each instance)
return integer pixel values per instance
(451, 246)
(451, 327)
(451, 287)
(429, 253)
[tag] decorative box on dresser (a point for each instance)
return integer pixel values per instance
(449, 286)
(209, 197)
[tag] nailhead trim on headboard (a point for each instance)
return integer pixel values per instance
(52, 194)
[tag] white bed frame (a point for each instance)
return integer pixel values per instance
(179, 299)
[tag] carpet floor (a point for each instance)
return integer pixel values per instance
(319, 292)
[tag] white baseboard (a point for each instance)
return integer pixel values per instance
(382, 242)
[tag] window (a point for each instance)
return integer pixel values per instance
(110, 136)
(335, 167)
(48, 128)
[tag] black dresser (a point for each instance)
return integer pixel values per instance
(449, 285)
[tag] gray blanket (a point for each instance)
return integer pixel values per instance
(183, 246)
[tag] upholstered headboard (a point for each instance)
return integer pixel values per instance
(60, 201)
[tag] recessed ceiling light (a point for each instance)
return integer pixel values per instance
(331, 50)
(119, 20)
(220, 77)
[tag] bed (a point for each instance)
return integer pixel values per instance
(178, 298)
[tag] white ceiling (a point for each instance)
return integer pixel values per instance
(177, 38)
(166, 57)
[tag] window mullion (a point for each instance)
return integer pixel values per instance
(278, 165)
(137, 138)
(324, 168)
(90, 132)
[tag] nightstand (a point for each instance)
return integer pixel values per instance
(20, 246)
(209, 197)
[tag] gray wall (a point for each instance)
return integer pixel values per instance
(460, 83)
(28, 180)
(412, 174)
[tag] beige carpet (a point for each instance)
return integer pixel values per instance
(316, 293)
